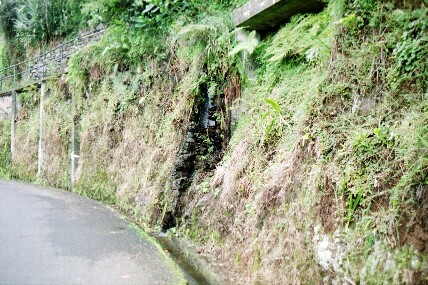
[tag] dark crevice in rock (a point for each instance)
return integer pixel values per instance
(201, 150)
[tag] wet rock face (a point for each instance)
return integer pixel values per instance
(202, 146)
(201, 150)
(185, 164)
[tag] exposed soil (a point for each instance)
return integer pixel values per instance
(414, 226)
(326, 208)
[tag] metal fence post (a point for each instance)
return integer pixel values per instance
(14, 74)
(29, 69)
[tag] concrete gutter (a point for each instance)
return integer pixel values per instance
(263, 15)
(183, 253)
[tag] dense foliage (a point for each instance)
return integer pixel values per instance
(34, 23)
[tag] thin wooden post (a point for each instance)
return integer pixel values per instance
(40, 156)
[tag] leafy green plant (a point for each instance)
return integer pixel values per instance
(411, 51)
(29, 98)
(208, 143)
(204, 187)
(306, 37)
(275, 123)
(352, 23)
(4, 59)
(368, 146)
(40, 21)
(8, 14)
(101, 11)
(158, 11)
(248, 45)
(353, 202)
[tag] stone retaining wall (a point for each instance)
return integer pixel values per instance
(56, 60)
(52, 62)
(5, 107)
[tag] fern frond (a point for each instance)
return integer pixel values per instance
(248, 45)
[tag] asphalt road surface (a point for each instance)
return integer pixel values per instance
(55, 237)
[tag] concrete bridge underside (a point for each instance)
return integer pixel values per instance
(263, 15)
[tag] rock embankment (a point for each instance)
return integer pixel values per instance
(56, 59)
(51, 62)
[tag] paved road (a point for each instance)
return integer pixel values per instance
(53, 237)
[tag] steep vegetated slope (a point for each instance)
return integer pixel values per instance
(314, 170)
(325, 176)
(133, 120)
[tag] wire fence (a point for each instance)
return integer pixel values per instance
(54, 61)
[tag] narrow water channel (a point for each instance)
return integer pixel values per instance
(191, 273)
